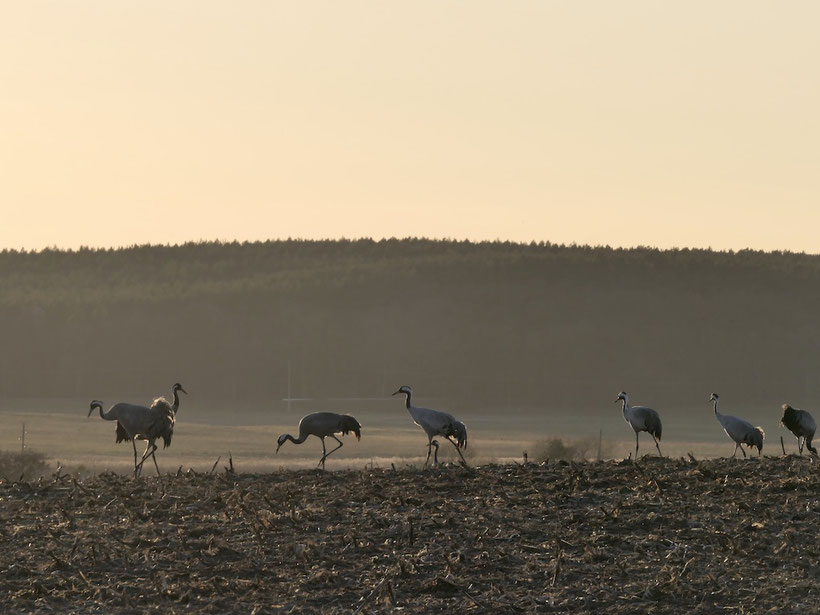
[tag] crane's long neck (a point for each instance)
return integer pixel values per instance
(175, 407)
(108, 416)
(407, 400)
(625, 406)
(302, 437)
(717, 414)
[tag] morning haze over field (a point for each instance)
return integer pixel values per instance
(521, 341)
(158, 158)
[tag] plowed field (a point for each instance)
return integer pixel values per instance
(660, 535)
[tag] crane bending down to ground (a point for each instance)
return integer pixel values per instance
(641, 418)
(322, 425)
(802, 425)
(135, 422)
(739, 430)
(436, 423)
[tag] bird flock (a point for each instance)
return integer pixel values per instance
(150, 423)
(742, 432)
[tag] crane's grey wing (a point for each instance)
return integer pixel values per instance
(737, 428)
(442, 422)
(808, 422)
(646, 419)
(132, 419)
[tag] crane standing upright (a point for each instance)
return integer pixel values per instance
(640, 419)
(436, 423)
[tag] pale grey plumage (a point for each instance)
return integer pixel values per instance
(323, 425)
(801, 424)
(136, 422)
(641, 418)
(739, 430)
(436, 423)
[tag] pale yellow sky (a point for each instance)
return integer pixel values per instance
(624, 123)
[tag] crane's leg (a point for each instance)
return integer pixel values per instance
(458, 450)
(154, 457)
(324, 454)
(636, 446)
(145, 455)
(435, 455)
(799, 445)
(742, 451)
(429, 450)
(134, 444)
(658, 446)
(335, 449)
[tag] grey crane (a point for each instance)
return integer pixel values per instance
(136, 422)
(163, 428)
(322, 425)
(175, 389)
(801, 424)
(436, 423)
(739, 430)
(641, 418)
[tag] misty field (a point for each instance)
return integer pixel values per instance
(247, 432)
(661, 536)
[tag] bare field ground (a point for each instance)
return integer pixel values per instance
(247, 431)
(660, 535)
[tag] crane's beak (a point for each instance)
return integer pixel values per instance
(278, 447)
(183, 390)
(396, 393)
(90, 410)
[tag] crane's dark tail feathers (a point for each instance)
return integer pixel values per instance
(755, 439)
(350, 424)
(458, 431)
(166, 440)
(810, 447)
(121, 435)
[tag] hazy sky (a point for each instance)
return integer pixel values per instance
(625, 123)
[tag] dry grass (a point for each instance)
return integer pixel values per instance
(582, 449)
(661, 535)
(26, 464)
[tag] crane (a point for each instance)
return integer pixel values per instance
(641, 418)
(322, 425)
(801, 424)
(136, 422)
(436, 423)
(739, 430)
(162, 428)
(122, 435)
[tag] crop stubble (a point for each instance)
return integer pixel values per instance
(667, 535)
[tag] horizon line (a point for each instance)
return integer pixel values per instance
(438, 240)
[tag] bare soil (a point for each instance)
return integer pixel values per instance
(660, 535)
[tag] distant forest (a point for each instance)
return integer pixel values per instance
(493, 325)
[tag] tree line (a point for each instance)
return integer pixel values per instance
(492, 324)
